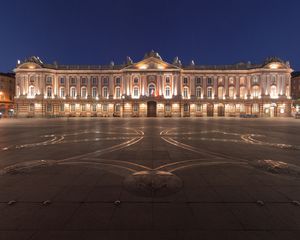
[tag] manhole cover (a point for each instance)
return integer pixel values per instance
(153, 183)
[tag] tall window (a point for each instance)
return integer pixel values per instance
(220, 93)
(186, 107)
(198, 80)
(167, 80)
(209, 81)
(94, 92)
(83, 81)
(105, 80)
(198, 107)
(117, 108)
(255, 92)
(209, 92)
(255, 108)
(105, 92)
(94, 107)
(48, 80)
(62, 80)
(151, 90)
(243, 92)
(118, 92)
(73, 80)
(83, 92)
(94, 81)
(198, 92)
(273, 92)
(62, 107)
(62, 92)
(104, 107)
(185, 80)
(118, 81)
(168, 92)
(73, 92)
(254, 79)
(31, 91)
(231, 92)
(49, 91)
(135, 92)
(185, 92)
(136, 107)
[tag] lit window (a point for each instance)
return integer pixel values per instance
(199, 107)
(72, 107)
(243, 92)
(31, 91)
(255, 108)
(185, 92)
(255, 92)
(168, 92)
(273, 92)
(231, 92)
(48, 80)
(73, 92)
(151, 90)
(105, 92)
(135, 92)
(62, 92)
(104, 107)
(83, 92)
(220, 92)
(49, 91)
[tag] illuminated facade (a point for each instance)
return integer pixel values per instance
(153, 87)
(7, 91)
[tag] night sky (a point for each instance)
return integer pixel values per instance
(96, 32)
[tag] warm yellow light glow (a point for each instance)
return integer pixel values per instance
(274, 66)
(144, 66)
(31, 66)
(160, 67)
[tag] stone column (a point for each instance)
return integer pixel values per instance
(226, 79)
(237, 86)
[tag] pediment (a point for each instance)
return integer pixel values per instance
(151, 63)
(29, 65)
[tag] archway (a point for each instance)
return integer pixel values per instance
(151, 109)
(210, 110)
(221, 110)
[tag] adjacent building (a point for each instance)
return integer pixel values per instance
(7, 92)
(153, 87)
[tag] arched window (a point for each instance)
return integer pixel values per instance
(255, 92)
(151, 90)
(105, 92)
(185, 92)
(243, 93)
(62, 92)
(118, 92)
(220, 92)
(49, 91)
(231, 92)
(73, 92)
(83, 92)
(198, 92)
(31, 92)
(135, 92)
(94, 92)
(209, 92)
(168, 92)
(273, 92)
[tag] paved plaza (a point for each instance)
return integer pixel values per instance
(149, 178)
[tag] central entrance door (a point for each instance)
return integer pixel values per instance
(151, 109)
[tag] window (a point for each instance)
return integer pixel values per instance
(118, 81)
(168, 107)
(83, 107)
(135, 80)
(243, 92)
(83, 92)
(167, 80)
(198, 92)
(62, 107)
(118, 92)
(104, 107)
(168, 92)
(185, 80)
(49, 107)
(31, 91)
(117, 108)
(62, 92)
(94, 81)
(31, 107)
(151, 90)
(135, 92)
(209, 92)
(48, 80)
(105, 81)
(49, 91)
(83, 81)
(198, 80)
(209, 81)
(94, 107)
(198, 107)
(94, 92)
(136, 107)
(186, 107)
(62, 80)
(231, 92)
(273, 80)
(273, 92)
(255, 108)
(73, 92)
(220, 92)
(255, 92)
(72, 80)
(72, 107)
(185, 92)
(242, 108)
(105, 93)
(254, 79)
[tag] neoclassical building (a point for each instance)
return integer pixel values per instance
(153, 87)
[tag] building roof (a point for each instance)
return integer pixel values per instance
(295, 74)
(8, 74)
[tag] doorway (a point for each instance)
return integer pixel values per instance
(151, 109)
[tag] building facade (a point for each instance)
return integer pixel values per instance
(7, 92)
(295, 86)
(153, 87)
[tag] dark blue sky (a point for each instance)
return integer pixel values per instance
(96, 32)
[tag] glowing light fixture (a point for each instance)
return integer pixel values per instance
(274, 66)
